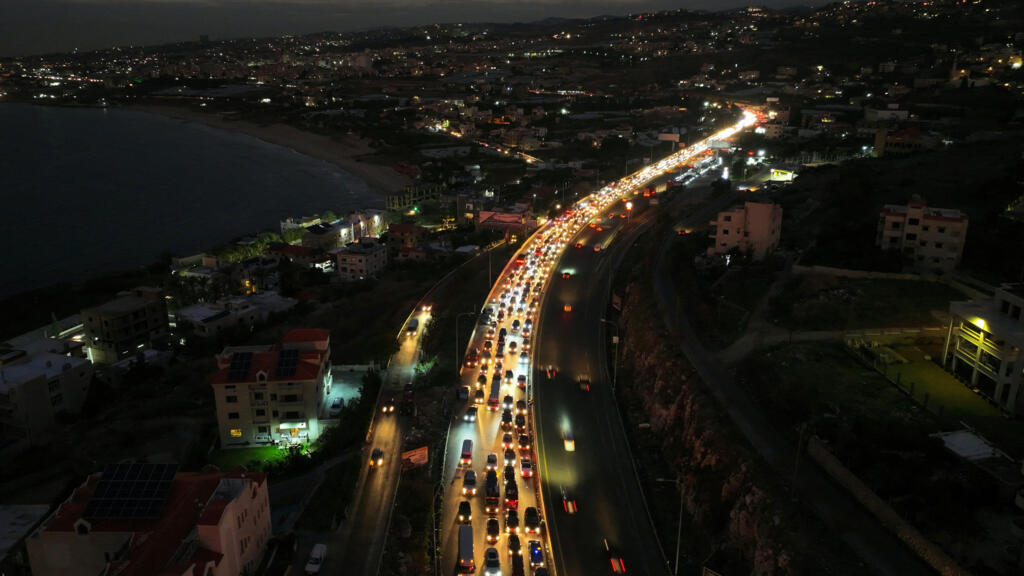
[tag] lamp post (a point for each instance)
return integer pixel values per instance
(679, 534)
(615, 364)
(457, 318)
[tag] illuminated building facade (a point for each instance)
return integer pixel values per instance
(984, 342)
(931, 239)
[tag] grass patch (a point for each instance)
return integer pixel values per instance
(822, 302)
(231, 458)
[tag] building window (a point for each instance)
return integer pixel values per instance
(57, 399)
(924, 228)
(727, 218)
(942, 229)
(911, 236)
(236, 432)
(232, 415)
(725, 232)
(895, 226)
(258, 396)
(893, 240)
(231, 399)
(261, 412)
(292, 415)
(938, 244)
(291, 398)
(273, 397)
(263, 429)
(274, 413)
(53, 386)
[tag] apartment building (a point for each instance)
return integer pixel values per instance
(930, 239)
(39, 381)
(359, 260)
(753, 228)
(137, 519)
(273, 394)
(135, 320)
(984, 341)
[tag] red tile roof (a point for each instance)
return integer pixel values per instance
(306, 335)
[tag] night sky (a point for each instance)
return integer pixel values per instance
(41, 26)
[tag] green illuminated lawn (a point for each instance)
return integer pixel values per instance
(229, 459)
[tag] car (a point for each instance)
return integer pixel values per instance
(316, 559)
(336, 407)
(470, 415)
(509, 375)
(566, 275)
(488, 344)
(507, 403)
(515, 548)
(465, 512)
(463, 393)
(492, 562)
(584, 382)
(426, 307)
(515, 325)
(524, 357)
(469, 483)
(502, 333)
(618, 566)
(510, 456)
(481, 380)
(524, 443)
(579, 245)
(512, 522)
(520, 422)
(389, 406)
(597, 248)
(478, 396)
(521, 381)
(568, 502)
(512, 347)
(506, 441)
(493, 530)
(492, 461)
(506, 420)
(521, 407)
(568, 441)
(567, 308)
(531, 518)
(536, 554)
(551, 371)
(526, 467)
(510, 473)
(376, 457)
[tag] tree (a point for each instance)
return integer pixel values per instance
(293, 235)
(328, 216)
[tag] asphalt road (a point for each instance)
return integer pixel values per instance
(599, 474)
(355, 548)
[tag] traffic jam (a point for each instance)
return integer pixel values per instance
(497, 384)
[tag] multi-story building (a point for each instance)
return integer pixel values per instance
(147, 519)
(405, 235)
(359, 260)
(931, 239)
(273, 394)
(39, 381)
(135, 320)
(753, 228)
(984, 341)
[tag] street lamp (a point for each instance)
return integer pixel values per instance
(615, 340)
(457, 318)
(679, 534)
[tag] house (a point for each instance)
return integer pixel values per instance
(136, 519)
(325, 236)
(984, 341)
(273, 394)
(753, 228)
(906, 141)
(412, 255)
(39, 381)
(135, 320)
(930, 239)
(359, 260)
(405, 235)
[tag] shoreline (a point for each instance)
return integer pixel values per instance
(341, 153)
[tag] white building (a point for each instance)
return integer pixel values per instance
(754, 228)
(359, 260)
(984, 341)
(931, 239)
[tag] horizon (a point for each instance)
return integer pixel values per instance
(39, 27)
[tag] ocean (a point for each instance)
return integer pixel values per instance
(87, 191)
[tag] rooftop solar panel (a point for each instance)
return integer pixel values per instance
(131, 490)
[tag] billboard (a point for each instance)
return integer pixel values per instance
(414, 458)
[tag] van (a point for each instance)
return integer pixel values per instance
(316, 559)
(466, 562)
(467, 453)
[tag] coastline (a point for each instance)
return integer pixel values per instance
(339, 152)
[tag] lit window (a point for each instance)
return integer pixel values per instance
(236, 432)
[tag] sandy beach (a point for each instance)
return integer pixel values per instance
(340, 152)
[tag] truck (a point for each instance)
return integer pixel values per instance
(412, 327)
(466, 562)
(491, 494)
(492, 400)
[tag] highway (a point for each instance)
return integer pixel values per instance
(599, 474)
(568, 311)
